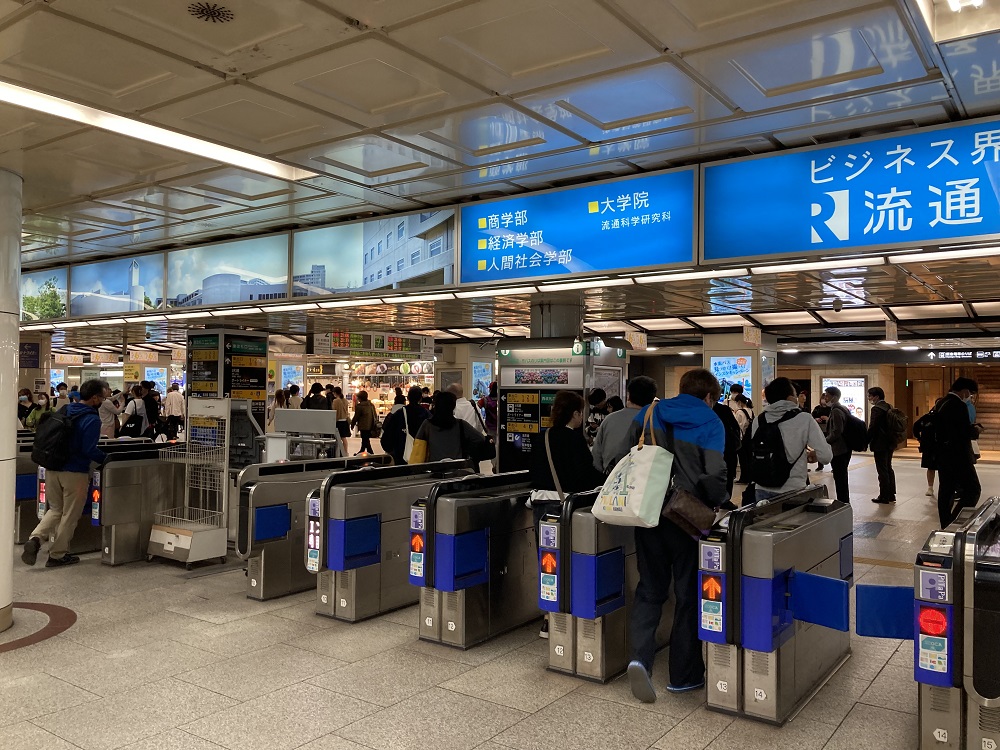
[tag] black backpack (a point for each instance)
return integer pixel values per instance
(855, 431)
(53, 440)
(770, 466)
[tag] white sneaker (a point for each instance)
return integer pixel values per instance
(930, 492)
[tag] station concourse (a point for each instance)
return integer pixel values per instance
(261, 203)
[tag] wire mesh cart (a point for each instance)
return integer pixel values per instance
(197, 530)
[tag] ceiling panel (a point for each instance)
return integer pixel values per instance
(380, 14)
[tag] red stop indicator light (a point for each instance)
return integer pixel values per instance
(711, 588)
(548, 563)
(416, 543)
(932, 621)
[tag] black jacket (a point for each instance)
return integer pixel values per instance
(732, 427)
(316, 401)
(572, 458)
(879, 437)
(393, 438)
(953, 431)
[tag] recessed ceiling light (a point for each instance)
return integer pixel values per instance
(652, 348)
(790, 351)
(686, 354)
(67, 110)
(888, 342)
(910, 348)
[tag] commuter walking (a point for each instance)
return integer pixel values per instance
(666, 552)
(835, 438)
(882, 440)
(444, 436)
(822, 415)
(109, 411)
(923, 431)
(734, 441)
(280, 402)
(343, 416)
(465, 409)
(316, 399)
(953, 436)
(62, 396)
(66, 486)
(782, 437)
(294, 399)
(489, 404)
(44, 407)
(743, 412)
(136, 419)
(364, 419)
(25, 405)
(173, 409)
(398, 425)
(612, 442)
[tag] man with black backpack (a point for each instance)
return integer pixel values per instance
(886, 428)
(837, 435)
(781, 438)
(65, 445)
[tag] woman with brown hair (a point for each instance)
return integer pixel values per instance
(364, 419)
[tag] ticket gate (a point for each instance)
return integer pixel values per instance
(126, 492)
(271, 530)
(358, 540)
(774, 584)
(587, 576)
(473, 555)
(952, 613)
(25, 490)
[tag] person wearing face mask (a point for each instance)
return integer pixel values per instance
(953, 436)
(62, 396)
(44, 406)
(25, 405)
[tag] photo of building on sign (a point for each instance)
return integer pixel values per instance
(117, 286)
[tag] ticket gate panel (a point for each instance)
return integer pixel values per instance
(272, 535)
(429, 627)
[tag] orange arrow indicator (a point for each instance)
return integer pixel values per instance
(548, 563)
(711, 588)
(416, 543)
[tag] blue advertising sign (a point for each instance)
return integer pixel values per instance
(932, 185)
(626, 224)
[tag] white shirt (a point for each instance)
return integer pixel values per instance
(295, 402)
(465, 411)
(173, 404)
(136, 406)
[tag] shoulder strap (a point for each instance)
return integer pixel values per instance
(406, 422)
(552, 467)
(475, 408)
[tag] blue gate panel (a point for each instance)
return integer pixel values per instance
(767, 623)
(820, 600)
(884, 611)
(26, 487)
(354, 542)
(597, 583)
(461, 561)
(271, 522)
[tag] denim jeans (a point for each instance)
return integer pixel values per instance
(666, 553)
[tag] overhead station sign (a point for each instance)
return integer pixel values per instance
(626, 224)
(924, 186)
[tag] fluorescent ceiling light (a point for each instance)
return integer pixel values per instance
(593, 284)
(351, 302)
(182, 316)
(147, 318)
(978, 252)
(497, 292)
(789, 351)
(889, 342)
(74, 324)
(235, 311)
(910, 348)
(420, 298)
(289, 308)
(823, 265)
(686, 354)
(721, 273)
(652, 348)
(67, 110)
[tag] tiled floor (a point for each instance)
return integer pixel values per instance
(161, 660)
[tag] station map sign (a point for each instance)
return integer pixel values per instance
(621, 225)
(926, 186)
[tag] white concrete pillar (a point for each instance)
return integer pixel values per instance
(10, 313)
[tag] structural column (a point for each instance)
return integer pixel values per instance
(555, 316)
(10, 295)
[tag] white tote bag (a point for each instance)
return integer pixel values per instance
(408, 446)
(634, 493)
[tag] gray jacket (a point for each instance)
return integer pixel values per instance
(613, 443)
(796, 434)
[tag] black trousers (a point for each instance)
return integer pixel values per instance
(839, 467)
(666, 553)
(957, 477)
(886, 476)
(730, 474)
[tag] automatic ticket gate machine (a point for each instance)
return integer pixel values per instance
(952, 613)
(358, 536)
(774, 583)
(473, 555)
(25, 489)
(271, 531)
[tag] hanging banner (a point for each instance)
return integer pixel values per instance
(140, 355)
(103, 358)
(68, 359)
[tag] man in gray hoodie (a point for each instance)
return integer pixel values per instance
(799, 432)
(613, 441)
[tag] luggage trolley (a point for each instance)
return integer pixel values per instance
(357, 537)
(272, 523)
(774, 582)
(473, 555)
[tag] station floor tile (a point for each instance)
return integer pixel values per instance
(165, 659)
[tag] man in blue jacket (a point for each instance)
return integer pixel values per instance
(666, 551)
(66, 489)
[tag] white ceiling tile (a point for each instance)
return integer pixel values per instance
(55, 54)
(381, 13)
(244, 188)
(370, 82)
(517, 45)
(929, 312)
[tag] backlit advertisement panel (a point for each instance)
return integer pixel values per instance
(254, 270)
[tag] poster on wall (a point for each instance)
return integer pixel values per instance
(56, 377)
(293, 375)
(482, 376)
(413, 250)
(29, 355)
(767, 370)
(730, 371)
(117, 286)
(610, 379)
(853, 394)
(43, 294)
(158, 375)
(253, 270)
